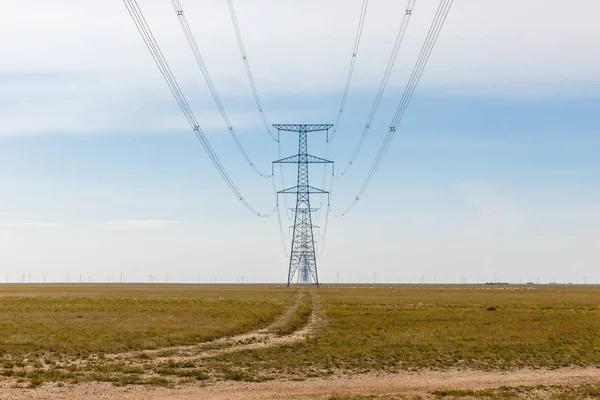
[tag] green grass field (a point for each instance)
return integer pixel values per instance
(45, 329)
(400, 328)
(86, 319)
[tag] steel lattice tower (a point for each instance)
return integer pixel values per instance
(303, 259)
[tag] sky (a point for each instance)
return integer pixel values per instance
(492, 174)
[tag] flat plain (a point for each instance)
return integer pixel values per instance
(332, 342)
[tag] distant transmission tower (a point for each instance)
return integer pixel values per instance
(303, 261)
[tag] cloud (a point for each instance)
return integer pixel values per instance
(140, 224)
(71, 72)
(77, 102)
(32, 224)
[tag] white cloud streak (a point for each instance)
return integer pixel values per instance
(140, 224)
(32, 224)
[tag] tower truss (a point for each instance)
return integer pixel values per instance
(303, 262)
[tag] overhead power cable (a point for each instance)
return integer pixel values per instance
(281, 231)
(410, 5)
(257, 101)
(327, 214)
(238, 36)
(142, 26)
(428, 45)
(359, 30)
(384, 81)
(285, 204)
(211, 87)
(361, 23)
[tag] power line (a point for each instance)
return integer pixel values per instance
(209, 82)
(361, 23)
(382, 86)
(325, 175)
(384, 81)
(257, 101)
(430, 40)
(283, 186)
(281, 231)
(143, 28)
(238, 36)
(359, 30)
(327, 214)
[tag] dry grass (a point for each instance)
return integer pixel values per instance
(45, 330)
(86, 319)
(552, 392)
(400, 328)
(540, 392)
(296, 317)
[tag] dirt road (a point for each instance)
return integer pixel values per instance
(406, 383)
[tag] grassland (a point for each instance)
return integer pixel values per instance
(404, 328)
(88, 319)
(46, 331)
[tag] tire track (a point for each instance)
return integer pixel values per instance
(259, 339)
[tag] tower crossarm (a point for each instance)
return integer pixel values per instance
(303, 190)
(302, 127)
(298, 158)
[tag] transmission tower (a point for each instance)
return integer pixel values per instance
(303, 261)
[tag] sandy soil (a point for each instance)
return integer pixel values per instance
(407, 383)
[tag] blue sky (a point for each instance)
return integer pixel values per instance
(493, 172)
